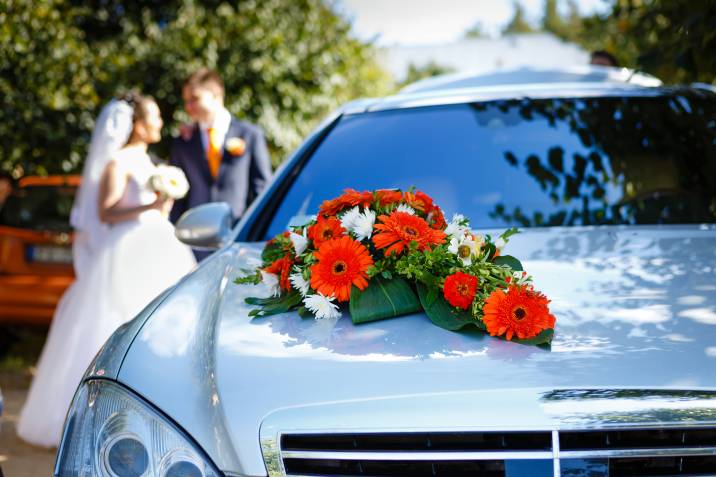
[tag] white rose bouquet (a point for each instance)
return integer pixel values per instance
(169, 181)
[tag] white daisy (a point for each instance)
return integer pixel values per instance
(271, 281)
(457, 227)
(465, 247)
(405, 208)
(322, 306)
(359, 223)
(299, 283)
(300, 242)
(350, 217)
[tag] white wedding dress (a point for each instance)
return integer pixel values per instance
(137, 260)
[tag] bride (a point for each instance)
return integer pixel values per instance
(125, 255)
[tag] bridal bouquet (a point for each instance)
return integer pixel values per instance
(390, 253)
(169, 181)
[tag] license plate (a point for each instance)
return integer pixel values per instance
(51, 254)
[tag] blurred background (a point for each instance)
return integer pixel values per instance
(286, 64)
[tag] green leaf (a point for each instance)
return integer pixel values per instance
(382, 299)
(274, 305)
(509, 261)
(432, 296)
(443, 315)
(544, 338)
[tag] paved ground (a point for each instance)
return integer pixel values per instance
(18, 459)
(19, 348)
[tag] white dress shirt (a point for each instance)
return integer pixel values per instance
(222, 121)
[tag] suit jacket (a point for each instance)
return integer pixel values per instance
(240, 179)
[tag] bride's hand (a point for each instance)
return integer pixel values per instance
(163, 205)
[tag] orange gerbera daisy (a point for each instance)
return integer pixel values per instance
(387, 196)
(342, 263)
(419, 201)
(459, 289)
(325, 229)
(436, 219)
(350, 198)
(282, 268)
(521, 311)
(399, 229)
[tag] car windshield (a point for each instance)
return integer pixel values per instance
(39, 208)
(543, 162)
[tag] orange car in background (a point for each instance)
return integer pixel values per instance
(36, 248)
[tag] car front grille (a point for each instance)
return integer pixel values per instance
(632, 452)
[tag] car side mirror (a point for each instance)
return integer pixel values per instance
(206, 227)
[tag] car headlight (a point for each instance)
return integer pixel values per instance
(110, 432)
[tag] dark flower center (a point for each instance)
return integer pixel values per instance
(463, 251)
(410, 232)
(519, 313)
(327, 234)
(339, 267)
(463, 289)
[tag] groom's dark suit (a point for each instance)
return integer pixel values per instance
(240, 179)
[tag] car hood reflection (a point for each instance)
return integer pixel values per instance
(635, 308)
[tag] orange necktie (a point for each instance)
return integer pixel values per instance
(213, 153)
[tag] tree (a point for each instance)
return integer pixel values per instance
(286, 63)
(47, 95)
(672, 39)
(475, 31)
(518, 23)
(565, 28)
(428, 70)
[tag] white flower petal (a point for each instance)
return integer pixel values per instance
(321, 306)
(359, 223)
(405, 208)
(457, 227)
(271, 282)
(300, 242)
(299, 283)
(349, 218)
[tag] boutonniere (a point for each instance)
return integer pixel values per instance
(236, 146)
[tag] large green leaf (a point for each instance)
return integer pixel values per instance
(442, 314)
(273, 305)
(544, 338)
(508, 260)
(382, 299)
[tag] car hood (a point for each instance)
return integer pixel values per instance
(635, 308)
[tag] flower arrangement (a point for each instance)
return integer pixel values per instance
(169, 181)
(389, 253)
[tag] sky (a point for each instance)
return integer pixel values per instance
(423, 22)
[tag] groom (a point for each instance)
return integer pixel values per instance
(224, 159)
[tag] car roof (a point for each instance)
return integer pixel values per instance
(532, 75)
(587, 81)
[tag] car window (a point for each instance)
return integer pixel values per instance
(39, 208)
(547, 162)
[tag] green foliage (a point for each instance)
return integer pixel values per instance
(475, 31)
(671, 39)
(47, 95)
(443, 315)
(274, 305)
(518, 23)
(383, 298)
(285, 63)
(508, 261)
(428, 70)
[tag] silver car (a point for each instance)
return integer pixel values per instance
(614, 187)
